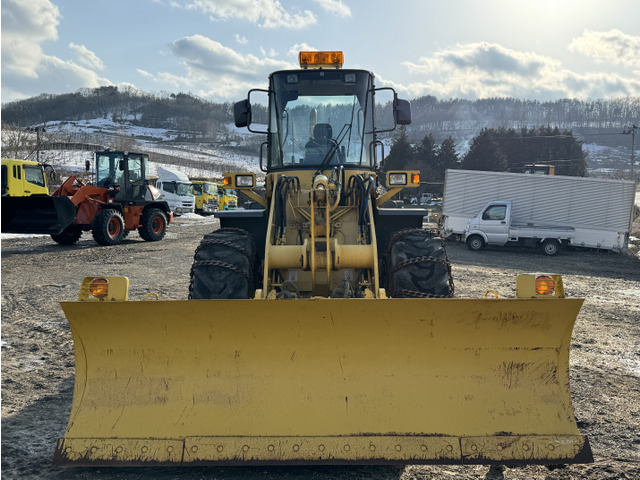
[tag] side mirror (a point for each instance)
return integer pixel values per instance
(121, 165)
(242, 113)
(87, 165)
(402, 111)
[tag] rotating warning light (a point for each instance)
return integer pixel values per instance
(321, 59)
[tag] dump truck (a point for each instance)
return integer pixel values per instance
(206, 196)
(121, 200)
(322, 328)
(27, 206)
(227, 198)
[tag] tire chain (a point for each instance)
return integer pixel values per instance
(217, 263)
(445, 261)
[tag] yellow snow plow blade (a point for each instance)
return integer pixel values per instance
(322, 381)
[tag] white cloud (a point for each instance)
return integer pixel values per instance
(241, 39)
(144, 73)
(336, 7)
(26, 70)
(25, 25)
(613, 46)
(264, 13)
(86, 57)
(483, 70)
(215, 71)
(300, 47)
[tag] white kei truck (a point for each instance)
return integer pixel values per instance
(544, 211)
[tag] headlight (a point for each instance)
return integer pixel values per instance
(244, 180)
(397, 179)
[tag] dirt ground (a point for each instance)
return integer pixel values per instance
(38, 364)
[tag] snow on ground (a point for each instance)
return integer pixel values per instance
(109, 127)
(191, 159)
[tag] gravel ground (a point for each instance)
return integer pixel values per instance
(38, 365)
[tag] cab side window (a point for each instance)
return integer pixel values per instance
(495, 212)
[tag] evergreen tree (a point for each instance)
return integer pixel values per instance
(485, 154)
(401, 154)
(425, 157)
(446, 158)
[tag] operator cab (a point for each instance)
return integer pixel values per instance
(126, 173)
(321, 116)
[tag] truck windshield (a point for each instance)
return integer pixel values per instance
(321, 117)
(33, 174)
(210, 188)
(182, 189)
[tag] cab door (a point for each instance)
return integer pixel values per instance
(495, 222)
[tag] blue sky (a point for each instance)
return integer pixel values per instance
(219, 49)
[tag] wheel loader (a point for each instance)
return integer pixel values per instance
(121, 200)
(322, 328)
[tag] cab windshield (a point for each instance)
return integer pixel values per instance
(182, 189)
(34, 174)
(210, 188)
(321, 118)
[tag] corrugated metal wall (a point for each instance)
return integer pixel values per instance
(542, 199)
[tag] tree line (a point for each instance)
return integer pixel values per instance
(193, 117)
(493, 149)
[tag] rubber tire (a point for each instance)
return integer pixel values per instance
(550, 247)
(422, 278)
(107, 227)
(153, 225)
(475, 243)
(69, 236)
(223, 266)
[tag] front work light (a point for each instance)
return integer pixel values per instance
(245, 181)
(397, 179)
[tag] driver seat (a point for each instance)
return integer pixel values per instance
(322, 142)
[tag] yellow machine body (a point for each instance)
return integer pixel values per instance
(322, 381)
(321, 328)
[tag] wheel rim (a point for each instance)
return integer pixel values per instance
(550, 248)
(476, 244)
(113, 227)
(157, 225)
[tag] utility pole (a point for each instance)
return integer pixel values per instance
(632, 129)
(38, 130)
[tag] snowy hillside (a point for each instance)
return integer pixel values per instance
(62, 140)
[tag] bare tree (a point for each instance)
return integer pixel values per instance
(16, 142)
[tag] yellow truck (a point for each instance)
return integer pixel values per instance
(227, 198)
(206, 196)
(26, 204)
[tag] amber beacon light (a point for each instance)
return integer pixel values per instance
(321, 59)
